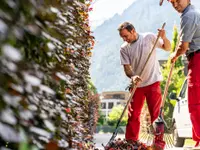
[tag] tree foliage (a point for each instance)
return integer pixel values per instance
(115, 114)
(45, 47)
(101, 118)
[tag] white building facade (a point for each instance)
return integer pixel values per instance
(111, 99)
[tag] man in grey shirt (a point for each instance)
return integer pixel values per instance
(190, 45)
(134, 53)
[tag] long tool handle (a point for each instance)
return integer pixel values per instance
(165, 95)
(161, 2)
(133, 90)
(167, 85)
(122, 115)
(151, 50)
(169, 78)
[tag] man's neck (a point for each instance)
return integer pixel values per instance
(186, 7)
(137, 37)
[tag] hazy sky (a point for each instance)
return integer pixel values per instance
(104, 9)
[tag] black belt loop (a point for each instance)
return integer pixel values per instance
(189, 57)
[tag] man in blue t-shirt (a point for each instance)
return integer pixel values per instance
(190, 45)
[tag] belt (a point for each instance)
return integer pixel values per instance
(189, 57)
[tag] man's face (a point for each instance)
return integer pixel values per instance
(179, 5)
(127, 35)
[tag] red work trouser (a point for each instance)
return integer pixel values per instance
(152, 93)
(194, 95)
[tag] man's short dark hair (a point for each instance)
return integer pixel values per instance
(126, 25)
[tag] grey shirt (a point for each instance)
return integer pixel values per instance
(190, 28)
(136, 54)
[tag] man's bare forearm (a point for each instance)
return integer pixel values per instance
(183, 47)
(166, 45)
(128, 71)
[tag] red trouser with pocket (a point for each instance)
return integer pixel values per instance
(194, 95)
(152, 93)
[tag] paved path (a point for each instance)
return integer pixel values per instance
(100, 139)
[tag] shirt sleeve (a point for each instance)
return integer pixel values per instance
(124, 57)
(188, 28)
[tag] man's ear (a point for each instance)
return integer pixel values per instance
(132, 31)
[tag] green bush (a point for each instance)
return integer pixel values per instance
(115, 114)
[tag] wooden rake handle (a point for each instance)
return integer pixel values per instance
(169, 78)
(161, 2)
(167, 85)
(158, 36)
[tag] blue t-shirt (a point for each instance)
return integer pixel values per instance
(190, 28)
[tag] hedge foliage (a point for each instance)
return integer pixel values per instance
(45, 100)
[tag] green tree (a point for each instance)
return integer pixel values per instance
(101, 119)
(115, 114)
(176, 79)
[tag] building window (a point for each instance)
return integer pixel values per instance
(119, 96)
(116, 96)
(110, 105)
(118, 103)
(103, 105)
